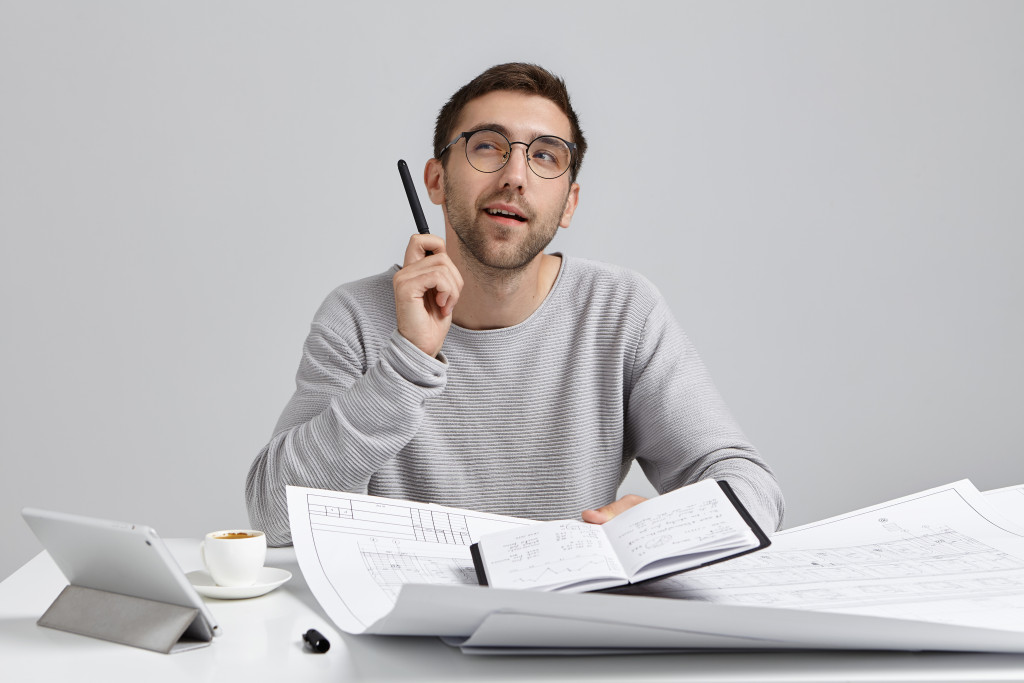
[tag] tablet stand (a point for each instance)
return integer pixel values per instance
(128, 620)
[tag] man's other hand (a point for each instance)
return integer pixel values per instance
(426, 291)
(603, 514)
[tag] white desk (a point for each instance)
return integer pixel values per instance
(261, 641)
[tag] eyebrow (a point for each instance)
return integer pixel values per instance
(507, 133)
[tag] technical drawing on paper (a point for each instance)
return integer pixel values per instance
(399, 542)
(357, 551)
(387, 520)
(390, 567)
(935, 564)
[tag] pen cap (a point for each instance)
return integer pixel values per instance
(316, 640)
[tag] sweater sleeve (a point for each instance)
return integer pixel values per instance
(342, 424)
(679, 428)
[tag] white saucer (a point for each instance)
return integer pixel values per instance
(267, 580)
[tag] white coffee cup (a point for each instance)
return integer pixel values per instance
(234, 557)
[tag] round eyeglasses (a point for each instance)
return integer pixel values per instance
(488, 151)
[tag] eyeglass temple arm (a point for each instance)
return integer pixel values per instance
(457, 138)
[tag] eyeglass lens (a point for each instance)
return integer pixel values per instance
(488, 150)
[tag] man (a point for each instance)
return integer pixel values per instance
(486, 374)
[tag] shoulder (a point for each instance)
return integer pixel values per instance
(370, 300)
(611, 284)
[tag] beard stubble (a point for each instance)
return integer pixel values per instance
(504, 253)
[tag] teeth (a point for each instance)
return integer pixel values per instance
(502, 212)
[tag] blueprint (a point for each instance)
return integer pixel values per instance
(357, 551)
(943, 555)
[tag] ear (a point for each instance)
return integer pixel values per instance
(433, 177)
(570, 205)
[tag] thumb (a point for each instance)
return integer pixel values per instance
(605, 513)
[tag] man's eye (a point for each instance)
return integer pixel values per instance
(547, 157)
(489, 148)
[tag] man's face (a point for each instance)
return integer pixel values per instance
(473, 199)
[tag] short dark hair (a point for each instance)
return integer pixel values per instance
(518, 77)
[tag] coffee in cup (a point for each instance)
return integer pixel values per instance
(237, 534)
(234, 557)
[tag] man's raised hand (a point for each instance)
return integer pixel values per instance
(426, 291)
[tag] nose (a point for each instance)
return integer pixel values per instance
(515, 170)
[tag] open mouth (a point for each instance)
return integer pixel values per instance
(503, 213)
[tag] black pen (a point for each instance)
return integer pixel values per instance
(414, 200)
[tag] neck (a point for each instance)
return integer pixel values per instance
(493, 298)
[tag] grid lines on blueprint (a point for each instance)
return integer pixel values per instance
(388, 520)
(938, 564)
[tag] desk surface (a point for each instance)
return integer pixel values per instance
(260, 641)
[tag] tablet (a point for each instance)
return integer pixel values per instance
(118, 557)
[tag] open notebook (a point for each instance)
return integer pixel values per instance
(691, 527)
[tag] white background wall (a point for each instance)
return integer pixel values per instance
(829, 195)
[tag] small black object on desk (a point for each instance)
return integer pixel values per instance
(316, 640)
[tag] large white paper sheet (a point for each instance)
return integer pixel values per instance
(907, 561)
(357, 551)
(614, 622)
(942, 555)
(1009, 502)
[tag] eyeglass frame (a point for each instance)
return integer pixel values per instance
(470, 133)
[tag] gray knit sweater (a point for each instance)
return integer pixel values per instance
(538, 420)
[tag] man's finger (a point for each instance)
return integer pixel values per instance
(446, 300)
(416, 283)
(603, 514)
(419, 245)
